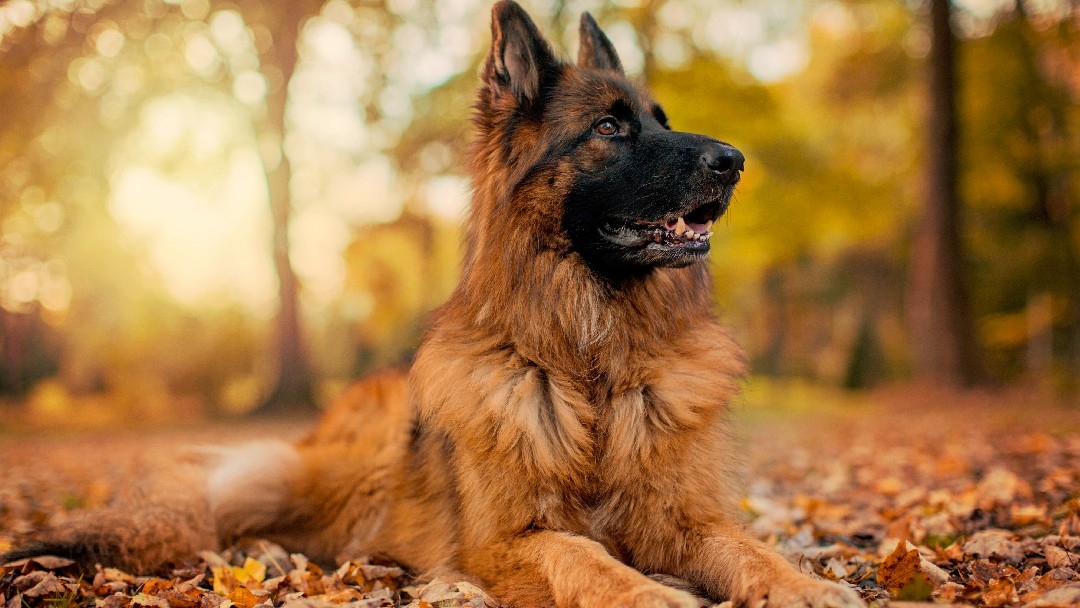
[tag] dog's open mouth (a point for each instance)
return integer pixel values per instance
(689, 232)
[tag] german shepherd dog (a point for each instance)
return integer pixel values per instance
(562, 431)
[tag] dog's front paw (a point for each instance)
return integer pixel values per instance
(655, 596)
(805, 592)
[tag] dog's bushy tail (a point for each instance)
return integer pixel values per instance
(168, 516)
(291, 493)
(152, 523)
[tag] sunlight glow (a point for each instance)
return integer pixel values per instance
(447, 196)
(204, 249)
(190, 186)
(773, 62)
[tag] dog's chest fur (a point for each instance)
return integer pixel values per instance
(590, 453)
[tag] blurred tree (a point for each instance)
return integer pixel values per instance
(942, 338)
(293, 384)
(324, 90)
(1021, 175)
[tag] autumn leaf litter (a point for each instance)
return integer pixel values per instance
(975, 504)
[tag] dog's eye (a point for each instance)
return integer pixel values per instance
(606, 126)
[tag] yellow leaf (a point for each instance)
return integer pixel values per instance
(223, 579)
(252, 570)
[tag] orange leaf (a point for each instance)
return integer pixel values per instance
(243, 598)
(899, 567)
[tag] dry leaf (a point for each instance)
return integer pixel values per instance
(154, 585)
(899, 568)
(994, 543)
(243, 598)
(1000, 487)
(148, 601)
(1062, 597)
(1000, 593)
(252, 570)
(47, 586)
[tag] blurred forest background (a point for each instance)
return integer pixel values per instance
(212, 206)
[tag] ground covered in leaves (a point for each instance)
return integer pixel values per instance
(908, 496)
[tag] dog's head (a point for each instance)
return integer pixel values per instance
(589, 159)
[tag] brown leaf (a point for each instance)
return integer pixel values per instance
(156, 585)
(382, 576)
(999, 593)
(1062, 597)
(1023, 515)
(48, 586)
(439, 590)
(949, 592)
(994, 543)
(47, 562)
(184, 599)
(27, 581)
(1056, 557)
(114, 575)
(116, 601)
(148, 601)
(899, 567)
(1000, 487)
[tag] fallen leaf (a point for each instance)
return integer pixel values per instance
(439, 590)
(1056, 557)
(224, 581)
(154, 585)
(244, 598)
(918, 589)
(836, 569)
(252, 570)
(1000, 487)
(148, 601)
(1062, 597)
(1023, 515)
(994, 543)
(1000, 593)
(184, 599)
(899, 568)
(47, 586)
(114, 575)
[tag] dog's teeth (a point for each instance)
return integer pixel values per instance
(680, 226)
(689, 233)
(708, 225)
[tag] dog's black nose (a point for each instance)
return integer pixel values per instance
(725, 160)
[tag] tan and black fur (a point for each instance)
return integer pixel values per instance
(562, 431)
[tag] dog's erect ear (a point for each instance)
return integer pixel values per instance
(520, 58)
(596, 51)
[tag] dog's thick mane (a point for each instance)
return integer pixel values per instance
(535, 292)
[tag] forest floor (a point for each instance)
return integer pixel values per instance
(913, 497)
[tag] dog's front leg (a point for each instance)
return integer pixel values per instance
(730, 564)
(537, 567)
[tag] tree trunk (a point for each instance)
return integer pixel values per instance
(943, 345)
(293, 390)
